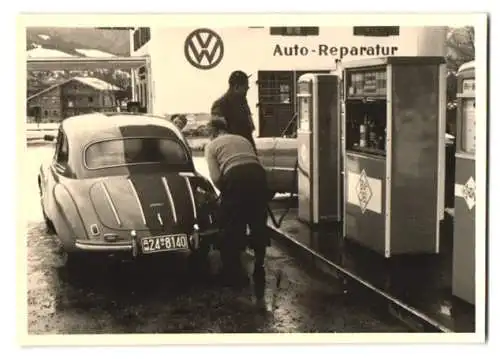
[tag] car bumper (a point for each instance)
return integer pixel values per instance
(100, 247)
(88, 246)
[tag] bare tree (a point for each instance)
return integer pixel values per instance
(461, 49)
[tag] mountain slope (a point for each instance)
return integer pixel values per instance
(68, 40)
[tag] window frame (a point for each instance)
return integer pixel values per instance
(294, 30)
(463, 127)
(60, 166)
(125, 165)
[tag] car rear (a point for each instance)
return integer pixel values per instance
(145, 198)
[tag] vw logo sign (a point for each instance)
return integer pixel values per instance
(204, 49)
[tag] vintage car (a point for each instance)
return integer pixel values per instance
(125, 184)
(278, 155)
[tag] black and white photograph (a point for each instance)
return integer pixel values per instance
(253, 177)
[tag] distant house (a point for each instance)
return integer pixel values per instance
(72, 97)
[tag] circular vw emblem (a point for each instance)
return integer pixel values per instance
(204, 49)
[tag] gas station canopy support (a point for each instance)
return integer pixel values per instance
(85, 63)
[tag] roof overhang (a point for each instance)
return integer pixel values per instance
(84, 63)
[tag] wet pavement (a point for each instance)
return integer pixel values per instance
(420, 282)
(165, 297)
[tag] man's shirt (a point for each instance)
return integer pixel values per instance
(227, 151)
(236, 112)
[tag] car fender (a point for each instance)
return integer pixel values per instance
(285, 159)
(67, 219)
(42, 185)
(265, 150)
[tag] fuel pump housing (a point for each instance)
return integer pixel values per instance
(319, 149)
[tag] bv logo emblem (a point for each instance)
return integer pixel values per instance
(204, 49)
(363, 191)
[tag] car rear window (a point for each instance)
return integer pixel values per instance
(135, 151)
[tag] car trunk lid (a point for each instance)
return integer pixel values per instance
(159, 203)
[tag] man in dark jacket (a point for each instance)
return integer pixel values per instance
(236, 171)
(233, 107)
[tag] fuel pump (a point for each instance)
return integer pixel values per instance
(319, 149)
(394, 153)
(463, 278)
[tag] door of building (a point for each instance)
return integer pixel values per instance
(277, 99)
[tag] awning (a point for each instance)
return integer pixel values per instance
(84, 63)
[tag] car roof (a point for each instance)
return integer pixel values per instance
(87, 128)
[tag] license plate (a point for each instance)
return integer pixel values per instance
(165, 243)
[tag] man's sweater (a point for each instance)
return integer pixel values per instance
(227, 151)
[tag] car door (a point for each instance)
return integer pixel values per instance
(285, 158)
(265, 151)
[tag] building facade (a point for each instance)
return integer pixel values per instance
(188, 68)
(73, 97)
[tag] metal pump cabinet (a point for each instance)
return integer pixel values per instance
(464, 250)
(394, 143)
(319, 149)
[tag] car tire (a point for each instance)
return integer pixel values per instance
(48, 223)
(49, 226)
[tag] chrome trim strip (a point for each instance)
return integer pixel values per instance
(287, 169)
(191, 195)
(465, 156)
(388, 162)
(471, 94)
(441, 159)
(344, 154)
(112, 205)
(103, 247)
(338, 216)
(315, 155)
(159, 219)
(170, 198)
(138, 201)
(366, 156)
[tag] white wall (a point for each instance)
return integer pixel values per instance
(180, 87)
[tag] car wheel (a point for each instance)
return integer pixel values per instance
(48, 223)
